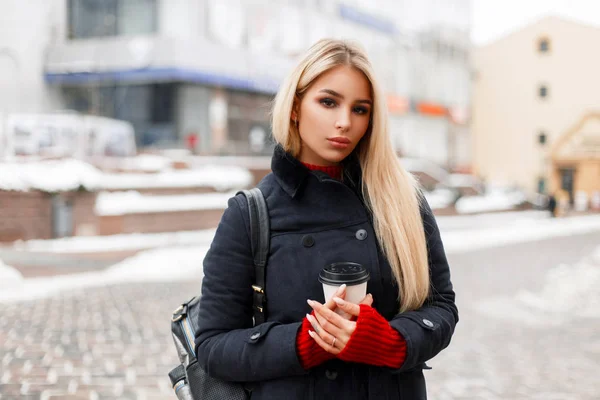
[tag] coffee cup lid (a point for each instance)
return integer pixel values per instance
(349, 273)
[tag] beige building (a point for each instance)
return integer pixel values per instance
(536, 109)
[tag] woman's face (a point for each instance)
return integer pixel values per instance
(333, 116)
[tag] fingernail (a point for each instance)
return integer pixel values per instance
(342, 287)
(311, 333)
(308, 317)
(310, 302)
(338, 300)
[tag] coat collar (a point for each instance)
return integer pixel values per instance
(290, 173)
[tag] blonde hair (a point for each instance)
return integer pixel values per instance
(391, 194)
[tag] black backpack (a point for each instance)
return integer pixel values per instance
(191, 382)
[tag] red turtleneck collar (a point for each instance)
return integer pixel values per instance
(335, 171)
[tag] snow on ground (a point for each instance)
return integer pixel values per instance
(9, 277)
(519, 231)
(569, 292)
(180, 258)
(120, 203)
(70, 174)
(459, 233)
(490, 220)
(122, 242)
(159, 265)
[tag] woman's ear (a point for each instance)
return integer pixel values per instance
(296, 109)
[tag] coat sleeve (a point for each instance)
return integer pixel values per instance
(228, 347)
(428, 330)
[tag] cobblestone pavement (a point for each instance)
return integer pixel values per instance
(88, 344)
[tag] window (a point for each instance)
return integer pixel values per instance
(101, 18)
(541, 184)
(543, 91)
(544, 45)
(542, 138)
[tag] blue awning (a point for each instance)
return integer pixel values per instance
(152, 75)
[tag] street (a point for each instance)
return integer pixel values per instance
(114, 342)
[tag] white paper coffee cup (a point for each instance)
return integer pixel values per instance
(354, 275)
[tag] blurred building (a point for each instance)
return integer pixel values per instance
(536, 108)
(203, 72)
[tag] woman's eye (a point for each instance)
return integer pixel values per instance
(361, 110)
(328, 103)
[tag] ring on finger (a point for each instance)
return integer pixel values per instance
(333, 343)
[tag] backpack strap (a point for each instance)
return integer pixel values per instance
(260, 237)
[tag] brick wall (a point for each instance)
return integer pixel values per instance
(28, 215)
(25, 215)
(85, 220)
(159, 222)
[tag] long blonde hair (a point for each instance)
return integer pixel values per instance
(391, 194)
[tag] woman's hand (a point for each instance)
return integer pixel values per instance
(332, 331)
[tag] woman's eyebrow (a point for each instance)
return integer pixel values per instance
(341, 96)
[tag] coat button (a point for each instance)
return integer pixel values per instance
(361, 234)
(308, 241)
(331, 375)
(428, 323)
(255, 335)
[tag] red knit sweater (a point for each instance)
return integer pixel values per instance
(373, 342)
(334, 171)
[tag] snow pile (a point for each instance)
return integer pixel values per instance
(9, 277)
(494, 200)
(569, 292)
(49, 176)
(439, 198)
(71, 174)
(520, 231)
(122, 242)
(132, 202)
(219, 177)
(175, 264)
(569, 289)
(159, 265)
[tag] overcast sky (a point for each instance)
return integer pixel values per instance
(492, 19)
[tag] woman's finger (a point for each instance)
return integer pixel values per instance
(327, 336)
(368, 300)
(328, 319)
(340, 292)
(328, 347)
(327, 329)
(346, 306)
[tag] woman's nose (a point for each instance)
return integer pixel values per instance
(343, 122)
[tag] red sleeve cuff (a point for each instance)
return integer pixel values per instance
(374, 341)
(309, 352)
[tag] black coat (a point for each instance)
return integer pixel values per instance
(315, 220)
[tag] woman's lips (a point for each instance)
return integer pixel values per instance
(339, 142)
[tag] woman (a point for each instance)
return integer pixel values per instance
(337, 193)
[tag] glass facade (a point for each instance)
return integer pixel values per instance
(150, 108)
(102, 18)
